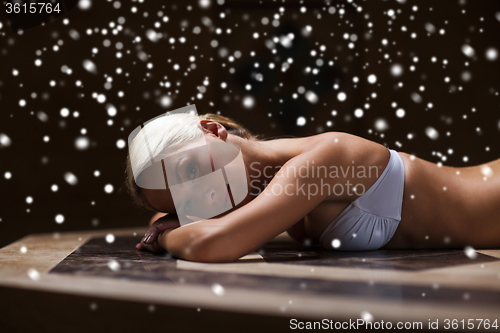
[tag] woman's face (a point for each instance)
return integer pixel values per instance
(198, 175)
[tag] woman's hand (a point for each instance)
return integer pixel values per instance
(154, 247)
(150, 241)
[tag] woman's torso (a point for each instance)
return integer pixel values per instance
(437, 206)
(434, 200)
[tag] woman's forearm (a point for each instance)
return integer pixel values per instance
(175, 244)
(162, 238)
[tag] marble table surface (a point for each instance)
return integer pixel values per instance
(283, 278)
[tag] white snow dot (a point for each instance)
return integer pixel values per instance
(400, 113)
(468, 50)
(470, 252)
(29, 200)
(486, 171)
(70, 178)
(114, 265)
(335, 243)
(82, 143)
(248, 102)
(218, 289)
(301, 121)
(89, 66)
(38, 62)
(85, 4)
(22, 103)
(166, 101)
(59, 218)
(358, 113)
(491, 54)
(381, 125)
(23, 249)
(64, 112)
(311, 97)
(5, 141)
(432, 133)
(110, 238)
(111, 110)
(366, 316)
(120, 144)
(341, 96)
(152, 35)
(33, 274)
(430, 28)
(108, 188)
(372, 79)
(101, 98)
(396, 70)
(42, 116)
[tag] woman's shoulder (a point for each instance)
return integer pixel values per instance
(308, 142)
(332, 141)
(330, 147)
(345, 149)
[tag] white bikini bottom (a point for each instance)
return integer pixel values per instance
(369, 222)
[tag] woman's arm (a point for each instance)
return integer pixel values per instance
(284, 202)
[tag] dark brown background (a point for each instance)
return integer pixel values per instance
(37, 165)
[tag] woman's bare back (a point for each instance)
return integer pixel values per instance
(448, 206)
